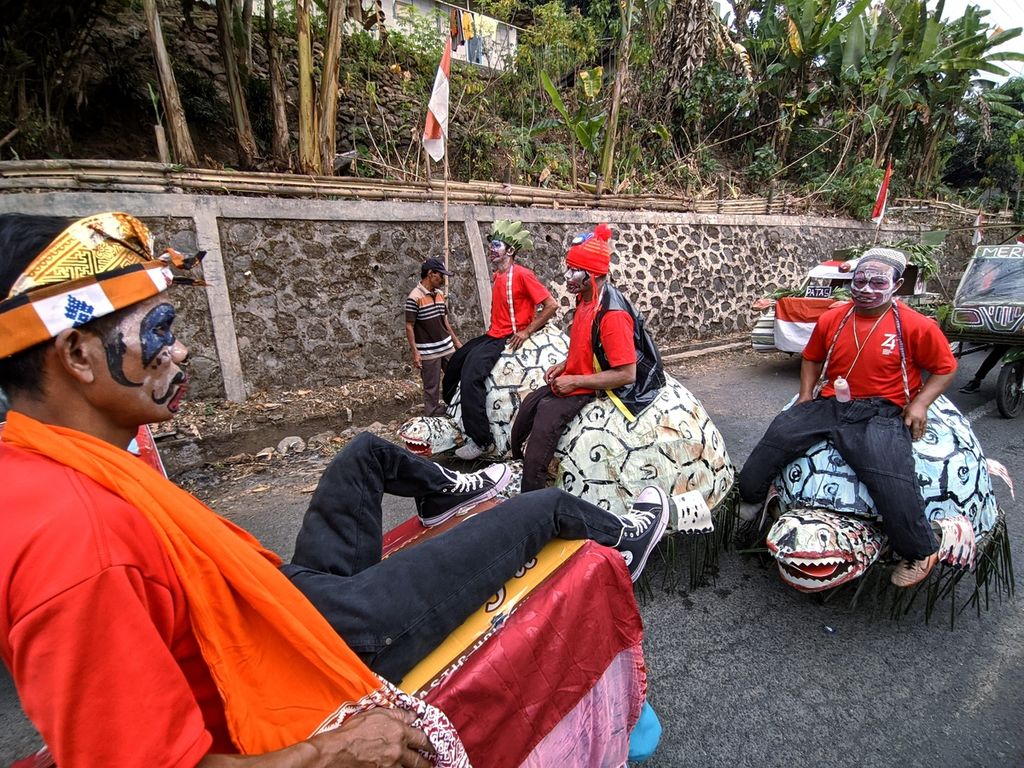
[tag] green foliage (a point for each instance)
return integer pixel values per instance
(560, 42)
(764, 166)
(855, 191)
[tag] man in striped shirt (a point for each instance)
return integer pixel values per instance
(431, 338)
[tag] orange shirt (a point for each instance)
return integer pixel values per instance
(876, 372)
(616, 340)
(95, 625)
(527, 293)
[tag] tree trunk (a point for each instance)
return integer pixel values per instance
(280, 150)
(239, 111)
(612, 125)
(327, 115)
(247, 32)
(309, 158)
(177, 124)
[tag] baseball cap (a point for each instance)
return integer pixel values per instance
(435, 265)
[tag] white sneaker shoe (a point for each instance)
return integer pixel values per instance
(469, 451)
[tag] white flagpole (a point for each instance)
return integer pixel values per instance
(446, 204)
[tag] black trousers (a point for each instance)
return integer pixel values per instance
(469, 367)
(394, 612)
(871, 437)
(542, 417)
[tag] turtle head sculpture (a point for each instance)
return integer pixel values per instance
(818, 550)
(430, 435)
(829, 532)
(515, 375)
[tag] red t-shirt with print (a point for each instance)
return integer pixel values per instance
(616, 340)
(876, 371)
(527, 293)
(95, 627)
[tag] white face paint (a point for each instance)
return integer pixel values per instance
(872, 285)
(499, 254)
(575, 280)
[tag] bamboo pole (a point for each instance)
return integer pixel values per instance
(446, 174)
(181, 140)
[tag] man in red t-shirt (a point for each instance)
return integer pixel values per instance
(861, 387)
(607, 341)
(515, 295)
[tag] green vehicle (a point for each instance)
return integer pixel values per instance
(988, 311)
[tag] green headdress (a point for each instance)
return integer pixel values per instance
(511, 233)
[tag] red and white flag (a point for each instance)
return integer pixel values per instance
(878, 212)
(979, 230)
(435, 134)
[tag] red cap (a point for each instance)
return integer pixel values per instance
(591, 251)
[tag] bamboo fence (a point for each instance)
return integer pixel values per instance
(135, 176)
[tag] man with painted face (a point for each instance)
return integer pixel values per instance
(610, 350)
(515, 295)
(862, 388)
(139, 627)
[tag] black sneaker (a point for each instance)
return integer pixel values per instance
(971, 387)
(642, 528)
(466, 489)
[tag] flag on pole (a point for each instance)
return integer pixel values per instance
(878, 212)
(435, 134)
(979, 230)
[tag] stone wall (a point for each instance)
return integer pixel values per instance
(304, 293)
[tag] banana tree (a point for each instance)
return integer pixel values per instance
(584, 126)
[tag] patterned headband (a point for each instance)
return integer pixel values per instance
(95, 267)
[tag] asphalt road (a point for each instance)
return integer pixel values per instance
(747, 672)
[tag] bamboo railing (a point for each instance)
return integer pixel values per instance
(128, 176)
(134, 176)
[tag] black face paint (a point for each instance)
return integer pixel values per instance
(155, 332)
(155, 335)
(115, 349)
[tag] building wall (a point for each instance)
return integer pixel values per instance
(307, 292)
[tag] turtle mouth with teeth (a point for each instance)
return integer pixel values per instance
(813, 572)
(819, 549)
(418, 447)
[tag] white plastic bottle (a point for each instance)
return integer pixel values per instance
(842, 388)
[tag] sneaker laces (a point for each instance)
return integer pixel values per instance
(463, 483)
(641, 518)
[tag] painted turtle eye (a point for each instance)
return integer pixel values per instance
(823, 537)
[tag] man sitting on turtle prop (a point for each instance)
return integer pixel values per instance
(609, 349)
(861, 387)
(515, 295)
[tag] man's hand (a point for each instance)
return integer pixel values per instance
(417, 361)
(802, 398)
(517, 339)
(915, 416)
(563, 385)
(380, 738)
(553, 372)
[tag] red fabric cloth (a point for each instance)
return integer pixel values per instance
(877, 371)
(527, 293)
(616, 338)
(515, 688)
(95, 627)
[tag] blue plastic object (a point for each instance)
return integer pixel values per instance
(643, 741)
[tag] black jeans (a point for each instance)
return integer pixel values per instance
(871, 437)
(470, 366)
(394, 612)
(542, 417)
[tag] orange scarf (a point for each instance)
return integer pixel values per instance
(279, 666)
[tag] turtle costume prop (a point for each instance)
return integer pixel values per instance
(606, 459)
(825, 532)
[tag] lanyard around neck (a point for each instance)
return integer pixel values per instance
(823, 378)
